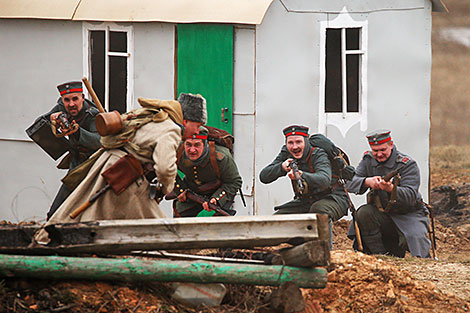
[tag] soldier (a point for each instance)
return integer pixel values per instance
(321, 193)
(394, 219)
(210, 171)
(82, 133)
(153, 141)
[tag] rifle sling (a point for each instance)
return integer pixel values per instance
(213, 159)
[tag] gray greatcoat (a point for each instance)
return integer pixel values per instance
(83, 143)
(413, 222)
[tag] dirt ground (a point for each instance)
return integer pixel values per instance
(356, 282)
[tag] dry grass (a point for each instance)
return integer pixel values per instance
(450, 86)
(450, 157)
(450, 165)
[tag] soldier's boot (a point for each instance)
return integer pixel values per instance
(374, 243)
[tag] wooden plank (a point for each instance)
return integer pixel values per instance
(120, 236)
(133, 269)
(310, 254)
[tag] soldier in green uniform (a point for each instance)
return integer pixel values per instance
(209, 170)
(82, 133)
(321, 193)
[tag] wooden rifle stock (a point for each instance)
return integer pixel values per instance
(357, 232)
(390, 175)
(191, 195)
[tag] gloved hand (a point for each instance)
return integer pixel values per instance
(347, 172)
(338, 163)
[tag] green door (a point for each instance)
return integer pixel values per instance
(204, 55)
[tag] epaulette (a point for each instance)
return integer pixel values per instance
(367, 153)
(220, 156)
(403, 159)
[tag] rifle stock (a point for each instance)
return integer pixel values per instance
(191, 195)
(357, 232)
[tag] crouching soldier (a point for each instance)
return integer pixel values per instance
(211, 178)
(311, 176)
(394, 219)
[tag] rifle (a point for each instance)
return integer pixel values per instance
(432, 233)
(374, 198)
(353, 213)
(191, 195)
(194, 196)
(300, 184)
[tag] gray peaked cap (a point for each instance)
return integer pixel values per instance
(194, 107)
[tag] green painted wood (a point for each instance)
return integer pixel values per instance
(132, 269)
(205, 66)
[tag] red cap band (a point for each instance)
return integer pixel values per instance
(374, 143)
(71, 91)
(203, 137)
(297, 133)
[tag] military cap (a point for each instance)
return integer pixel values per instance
(379, 137)
(194, 107)
(70, 87)
(203, 133)
(296, 130)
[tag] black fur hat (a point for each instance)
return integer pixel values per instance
(194, 107)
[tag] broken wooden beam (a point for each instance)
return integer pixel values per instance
(310, 254)
(133, 269)
(121, 236)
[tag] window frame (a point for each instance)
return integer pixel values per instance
(344, 120)
(108, 27)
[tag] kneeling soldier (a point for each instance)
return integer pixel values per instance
(310, 172)
(210, 173)
(395, 219)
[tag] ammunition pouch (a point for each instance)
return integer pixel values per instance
(124, 172)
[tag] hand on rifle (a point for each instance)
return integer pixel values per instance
(292, 175)
(286, 165)
(205, 205)
(377, 182)
(182, 197)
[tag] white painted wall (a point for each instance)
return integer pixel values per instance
(244, 118)
(36, 56)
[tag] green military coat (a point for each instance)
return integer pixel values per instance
(196, 175)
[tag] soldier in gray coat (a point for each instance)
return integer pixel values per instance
(84, 137)
(394, 220)
(321, 193)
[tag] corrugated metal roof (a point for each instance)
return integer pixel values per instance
(175, 11)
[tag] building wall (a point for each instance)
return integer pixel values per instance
(36, 56)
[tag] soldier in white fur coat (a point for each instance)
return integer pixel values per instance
(156, 143)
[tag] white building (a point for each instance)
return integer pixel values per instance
(341, 67)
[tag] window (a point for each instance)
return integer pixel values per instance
(108, 64)
(343, 57)
(343, 101)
